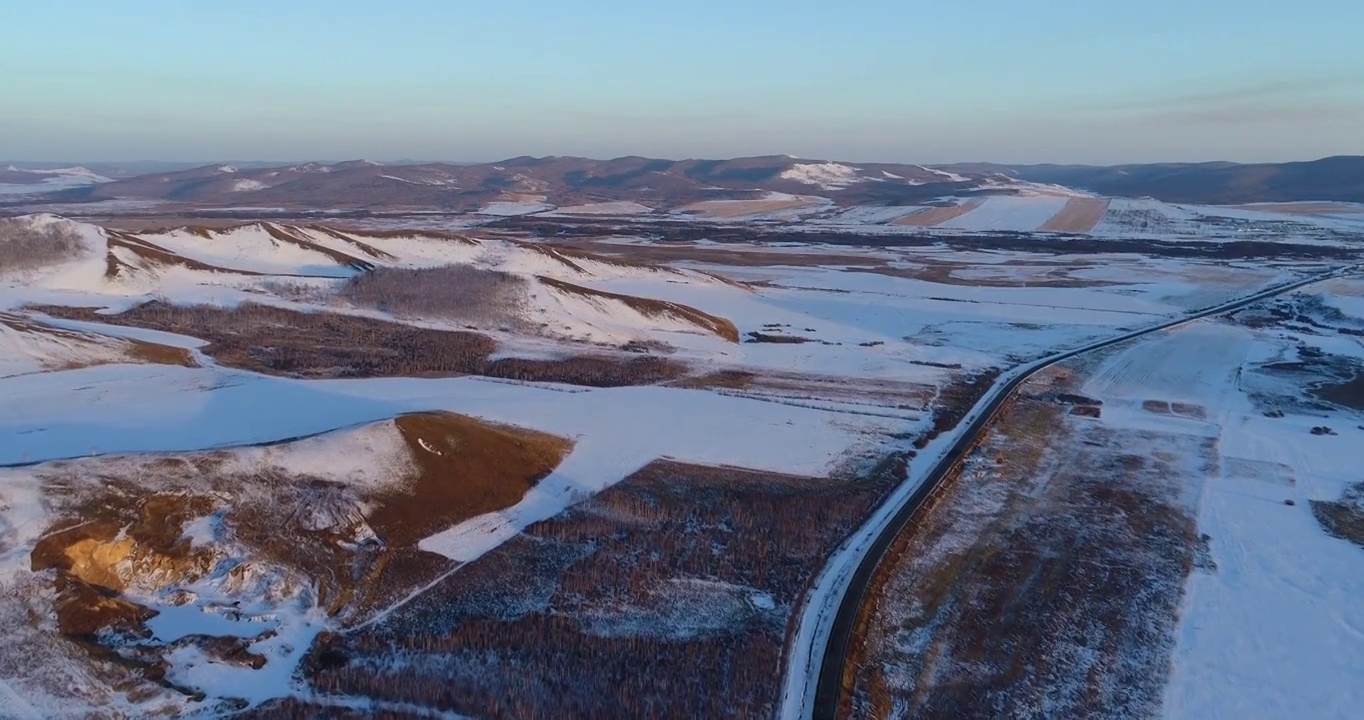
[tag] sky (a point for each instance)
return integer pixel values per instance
(928, 81)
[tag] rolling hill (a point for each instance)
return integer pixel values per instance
(1338, 178)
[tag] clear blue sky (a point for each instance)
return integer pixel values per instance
(904, 80)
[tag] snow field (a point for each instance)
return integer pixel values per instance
(1001, 212)
(1275, 630)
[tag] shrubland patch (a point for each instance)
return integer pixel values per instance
(25, 244)
(313, 345)
(1046, 574)
(669, 594)
(461, 293)
(1343, 518)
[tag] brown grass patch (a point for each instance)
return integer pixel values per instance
(468, 467)
(1189, 410)
(121, 522)
(122, 531)
(650, 307)
(158, 354)
(1159, 407)
(465, 467)
(1343, 518)
(933, 217)
(1080, 215)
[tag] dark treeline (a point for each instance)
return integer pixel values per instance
(572, 619)
(25, 244)
(315, 345)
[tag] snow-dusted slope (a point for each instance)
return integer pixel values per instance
(23, 181)
(827, 176)
(30, 347)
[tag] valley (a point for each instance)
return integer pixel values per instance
(291, 465)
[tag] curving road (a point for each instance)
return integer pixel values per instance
(822, 637)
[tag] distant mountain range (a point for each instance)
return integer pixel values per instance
(1338, 178)
(567, 181)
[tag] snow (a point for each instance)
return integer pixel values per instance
(371, 456)
(247, 185)
(131, 409)
(250, 248)
(827, 176)
(601, 320)
(510, 209)
(296, 627)
(25, 349)
(1276, 630)
(948, 176)
(631, 427)
(1152, 219)
(176, 621)
(143, 408)
(53, 180)
(202, 531)
(1214, 352)
(1016, 213)
(862, 326)
(817, 616)
(67, 172)
(1023, 187)
(84, 273)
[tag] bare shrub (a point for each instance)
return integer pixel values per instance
(457, 292)
(279, 341)
(297, 291)
(25, 245)
(289, 343)
(670, 594)
(587, 370)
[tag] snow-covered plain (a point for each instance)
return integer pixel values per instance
(1275, 629)
(914, 316)
(1024, 213)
